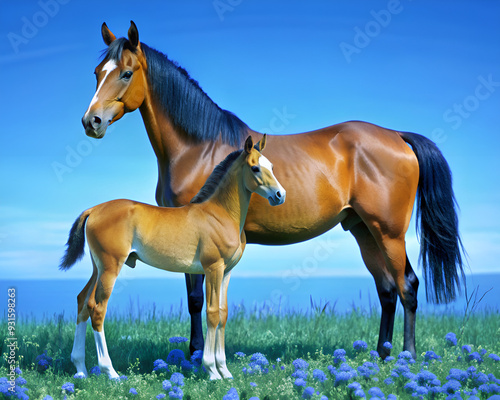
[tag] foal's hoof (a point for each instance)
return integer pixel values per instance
(80, 375)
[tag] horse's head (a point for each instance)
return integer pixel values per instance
(259, 177)
(121, 82)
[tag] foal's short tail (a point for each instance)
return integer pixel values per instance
(440, 244)
(76, 242)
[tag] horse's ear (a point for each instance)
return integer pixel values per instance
(248, 144)
(107, 35)
(262, 143)
(133, 34)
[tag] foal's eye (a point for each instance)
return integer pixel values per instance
(255, 169)
(127, 75)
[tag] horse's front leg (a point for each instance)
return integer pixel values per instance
(220, 350)
(214, 276)
(194, 286)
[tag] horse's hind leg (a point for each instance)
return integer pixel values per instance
(386, 287)
(78, 352)
(194, 286)
(109, 269)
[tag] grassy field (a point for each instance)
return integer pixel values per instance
(136, 343)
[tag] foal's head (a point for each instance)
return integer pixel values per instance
(121, 82)
(258, 173)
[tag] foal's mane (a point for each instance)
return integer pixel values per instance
(216, 177)
(182, 98)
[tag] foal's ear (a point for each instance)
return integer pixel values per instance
(133, 34)
(248, 145)
(262, 143)
(107, 35)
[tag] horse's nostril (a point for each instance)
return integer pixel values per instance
(97, 120)
(278, 194)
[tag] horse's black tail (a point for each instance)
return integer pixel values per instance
(76, 242)
(440, 244)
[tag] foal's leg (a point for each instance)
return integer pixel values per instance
(386, 288)
(194, 285)
(108, 272)
(214, 277)
(78, 352)
(220, 350)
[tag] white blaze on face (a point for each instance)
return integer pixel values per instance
(266, 164)
(108, 67)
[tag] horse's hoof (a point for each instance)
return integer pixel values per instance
(80, 375)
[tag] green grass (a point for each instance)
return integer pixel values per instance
(134, 344)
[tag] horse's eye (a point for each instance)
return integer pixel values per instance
(255, 169)
(127, 75)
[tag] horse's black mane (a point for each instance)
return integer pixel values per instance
(216, 177)
(187, 105)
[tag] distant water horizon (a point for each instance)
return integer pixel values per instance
(48, 299)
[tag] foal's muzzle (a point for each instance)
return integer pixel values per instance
(277, 198)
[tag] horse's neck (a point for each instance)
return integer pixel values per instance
(233, 197)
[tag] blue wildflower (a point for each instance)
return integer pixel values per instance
(359, 393)
(451, 339)
(424, 377)
(123, 378)
(308, 392)
(132, 391)
(177, 379)
(253, 384)
(95, 370)
(21, 381)
(300, 374)
(259, 359)
(198, 356)
(374, 354)
(466, 348)
(323, 398)
(167, 385)
(387, 345)
(175, 357)
(48, 397)
(430, 355)
(422, 391)
(391, 397)
(339, 356)
(376, 392)
(494, 357)
(299, 382)
(161, 396)
(482, 352)
(451, 386)
(43, 362)
(388, 381)
(319, 375)
(160, 365)
(360, 345)
(368, 369)
(354, 386)
(475, 356)
(405, 355)
(342, 377)
(389, 359)
(239, 354)
(177, 393)
(411, 387)
(299, 363)
(68, 387)
(479, 379)
(457, 374)
(186, 366)
(178, 339)
(254, 398)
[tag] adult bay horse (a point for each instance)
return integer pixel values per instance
(354, 173)
(203, 237)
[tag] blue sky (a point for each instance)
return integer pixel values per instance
(282, 67)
